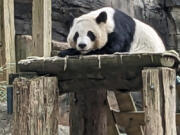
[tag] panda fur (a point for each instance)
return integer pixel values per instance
(108, 30)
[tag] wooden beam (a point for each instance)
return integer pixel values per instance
(135, 118)
(113, 128)
(129, 118)
(7, 33)
(126, 104)
(2, 55)
(72, 71)
(35, 106)
(41, 27)
(159, 98)
(88, 113)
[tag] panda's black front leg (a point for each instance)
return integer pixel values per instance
(69, 52)
(105, 50)
(98, 51)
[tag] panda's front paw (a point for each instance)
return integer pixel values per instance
(62, 54)
(68, 52)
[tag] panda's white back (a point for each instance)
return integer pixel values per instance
(146, 39)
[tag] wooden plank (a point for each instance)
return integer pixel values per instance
(35, 106)
(135, 118)
(72, 71)
(98, 62)
(126, 104)
(159, 98)
(112, 105)
(7, 38)
(41, 27)
(111, 124)
(125, 101)
(59, 46)
(126, 119)
(2, 77)
(88, 113)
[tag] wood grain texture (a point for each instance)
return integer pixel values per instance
(88, 113)
(35, 106)
(113, 128)
(72, 71)
(41, 27)
(126, 104)
(135, 118)
(7, 38)
(159, 98)
(2, 54)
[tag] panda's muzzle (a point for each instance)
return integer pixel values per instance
(82, 46)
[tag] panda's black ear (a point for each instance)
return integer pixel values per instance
(102, 17)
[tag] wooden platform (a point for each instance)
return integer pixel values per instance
(99, 71)
(89, 77)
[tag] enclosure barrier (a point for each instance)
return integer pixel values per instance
(41, 33)
(89, 77)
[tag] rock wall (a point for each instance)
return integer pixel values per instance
(163, 15)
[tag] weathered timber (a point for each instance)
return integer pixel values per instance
(41, 27)
(2, 55)
(135, 118)
(122, 102)
(60, 45)
(112, 127)
(126, 104)
(64, 107)
(88, 113)
(35, 106)
(112, 105)
(25, 48)
(159, 96)
(127, 119)
(112, 101)
(94, 70)
(7, 33)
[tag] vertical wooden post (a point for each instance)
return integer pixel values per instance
(7, 34)
(35, 106)
(88, 113)
(159, 96)
(41, 27)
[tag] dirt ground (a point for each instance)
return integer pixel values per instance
(5, 120)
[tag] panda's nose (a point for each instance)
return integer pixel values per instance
(82, 46)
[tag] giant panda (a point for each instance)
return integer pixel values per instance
(107, 31)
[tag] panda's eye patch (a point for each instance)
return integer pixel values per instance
(76, 36)
(91, 35)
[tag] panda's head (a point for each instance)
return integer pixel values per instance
(88, 32)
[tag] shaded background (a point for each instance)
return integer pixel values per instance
(163, 15)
